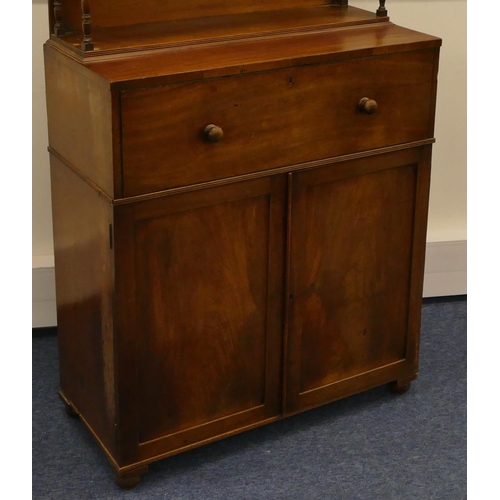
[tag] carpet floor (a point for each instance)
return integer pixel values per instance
(372, 446)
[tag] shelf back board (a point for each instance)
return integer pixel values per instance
(108, 13)
(220, 28)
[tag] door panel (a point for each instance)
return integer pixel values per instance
(352, 243)
(207, 294)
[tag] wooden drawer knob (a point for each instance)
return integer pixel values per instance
(368, 106)
(213, 133)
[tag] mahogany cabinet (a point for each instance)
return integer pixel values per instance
(240, 195)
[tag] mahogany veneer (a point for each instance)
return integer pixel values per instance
(240, 195)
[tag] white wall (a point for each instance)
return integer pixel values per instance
(448, 207)
(446, 19)
(43, 283)
(446, 256)
(41, 211)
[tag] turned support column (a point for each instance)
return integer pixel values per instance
(87, 43)
(58, 28)
(382, 11)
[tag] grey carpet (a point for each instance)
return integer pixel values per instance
(372, 446)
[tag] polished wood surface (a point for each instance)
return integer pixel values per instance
(211, 60)
(240, 194)
(66, 16)
(258, 115)
(84, 290)
(352, 240)
(208, 299)
(128, 12)
(228, 27)
(79, 113)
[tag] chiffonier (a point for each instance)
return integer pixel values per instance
(240, 193)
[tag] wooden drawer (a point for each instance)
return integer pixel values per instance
(272, 119)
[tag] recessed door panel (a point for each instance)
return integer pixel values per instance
(208, 294)
(351, 271)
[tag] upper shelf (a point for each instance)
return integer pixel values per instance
(102, 40)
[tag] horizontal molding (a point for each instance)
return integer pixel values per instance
(276, 171)
(323, 162)
(445, 275)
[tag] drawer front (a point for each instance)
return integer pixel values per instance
(272, 119)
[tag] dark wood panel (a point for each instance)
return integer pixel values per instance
(173, 445)
(227, 27)
(271, 119)
(356, 274)
(418, 256)
(84, 291)
(202, 289)
(125, 12)
(69, 15)
(351, 265)
(362, 382)
(208, 295)
(79, 113)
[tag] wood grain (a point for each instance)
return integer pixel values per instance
(220, 58)
(79, 111)
(208, 295)
(84, 297)
(418, 255)
(128, 12)
(287, 169)
(262, 128)
(229, 27)
(351, 262)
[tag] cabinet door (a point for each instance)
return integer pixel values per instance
(199, 283)
(356, 274)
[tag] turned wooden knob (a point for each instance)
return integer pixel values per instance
(368, 106)
(213, 133)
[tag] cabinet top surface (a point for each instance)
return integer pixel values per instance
(217, 59)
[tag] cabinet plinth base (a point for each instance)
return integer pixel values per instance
(70, 409)
(130, 479)
(401, 386)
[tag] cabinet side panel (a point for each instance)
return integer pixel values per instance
(79, 114)
(84, 292)
(418, 255)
